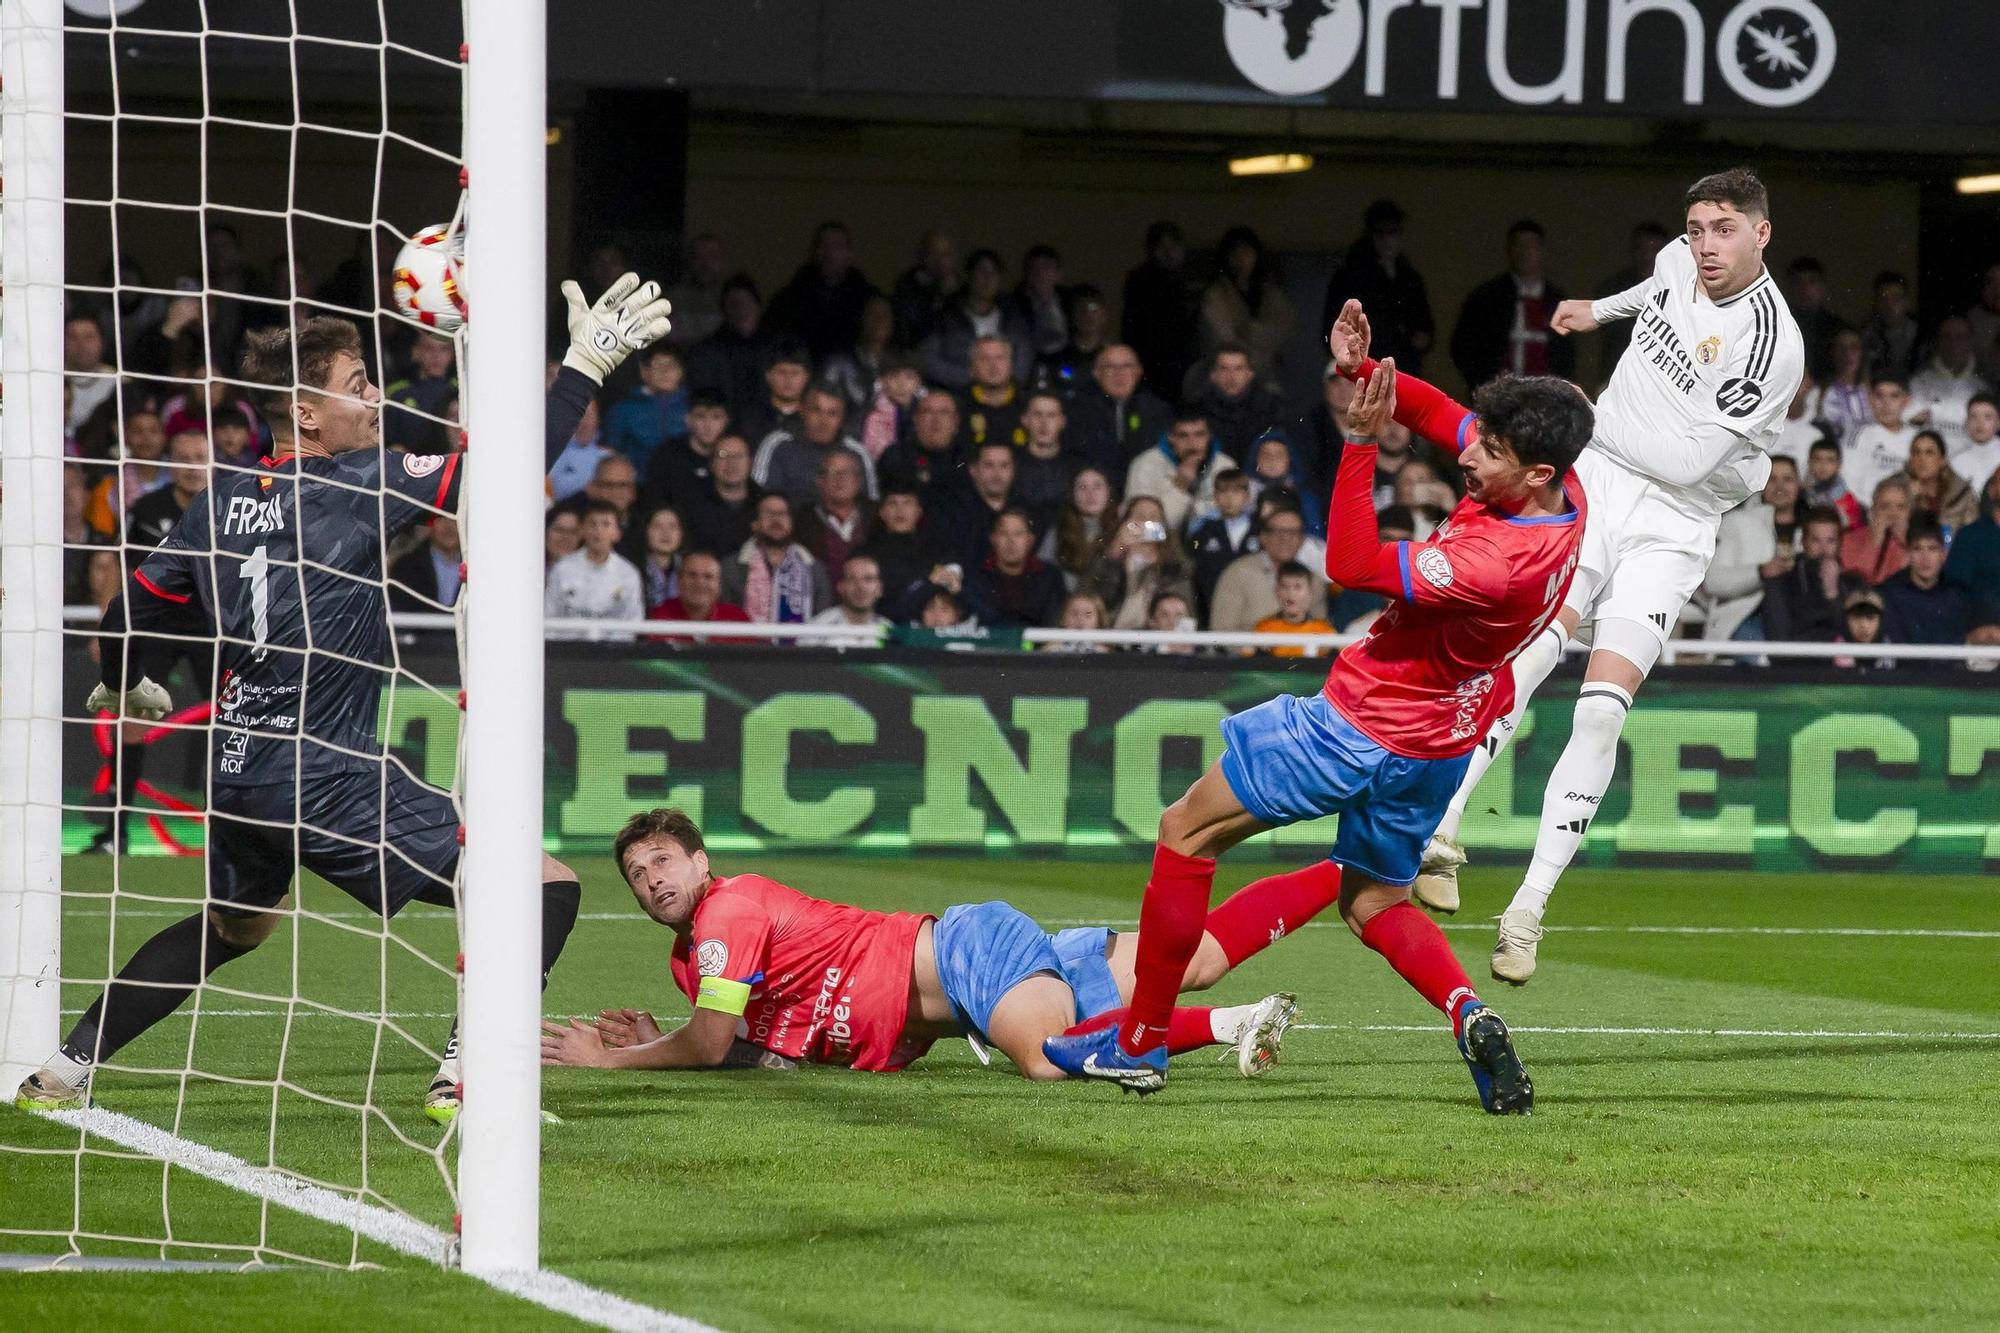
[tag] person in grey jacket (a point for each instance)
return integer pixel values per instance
(787, 462)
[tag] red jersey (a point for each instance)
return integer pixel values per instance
(810, 979)
(1433, 673)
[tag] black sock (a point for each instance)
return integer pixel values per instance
(560, 899)
(174, 961)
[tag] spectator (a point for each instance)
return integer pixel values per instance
(1162, 312)
(1272, 464)
(1783, 492)
(1294, 590)
(653, 413)
(577, 463)
(1115, 418)
(78, 537)
(822, 303)
(1918, 605)
(1943, 389)
(1247, 592)
(787, 372)
(857, 370)
(1753, 545)
(773, 577)
(992, 403)
(788, 461)
(1143, 558)
(156, 512)
(963, 515)
(116, 489)
(1282, 500)
(1068, 367)
(925, 288)
(1082, 610)
(901, 554)
(927, 461)
(1011, 589)
(414, 406)
(1802, 602)
(1806, 293)
(1799, 431)
(1180, 473)
(859, 593)
(595, 583)
(562, 535)
(1504, 323)
(1041, 301)
(1889, 338)
(1974, 563)
(697, 295)
(978, 312)
(1424, 494)
(700, 597)
(1935, 489)
(614, 482)
(1879, 550)
(1376, 273)
(1978, 457)
(1880, 448)
(213, 401)
(681, 467)
(1861, 624)
(1043, 468)
(1083, 526)
(1844, 404)
(1826, 488)
(92, 380)
(1217, 539)
(1985, 320)
(429, 577)
(889, 413)
(731, 361)
(1237, 407)
(718, 515)
(1614, 337)
(840, 521)
(1169, 613)
(1322, 433)
(940, 610)
(1245, 307)
(660, 562)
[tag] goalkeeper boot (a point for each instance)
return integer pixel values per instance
(1098, 1055)
(1437, 879)
(441, 1101)
(46, 1090)
(1514, 951)
(1257, 1044)
(1488, 1048)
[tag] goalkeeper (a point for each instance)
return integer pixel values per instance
(284, 569)
(776, 976)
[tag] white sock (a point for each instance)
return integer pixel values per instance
(73, 1072)
(1226, 1025)
(448, 1067)
(1576, 787)
(1531, 668)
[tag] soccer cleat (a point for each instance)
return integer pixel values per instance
(1098, 1055)
(1256, 1048)
(44, 1090)
(1437, 879)
(1503, 1083)
(1514, 952)
(441, 1102)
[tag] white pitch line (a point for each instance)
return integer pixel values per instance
(552, 1291)
(1790, 1034)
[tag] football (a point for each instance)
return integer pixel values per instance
(428, 279)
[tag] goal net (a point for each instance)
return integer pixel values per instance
(179, 180)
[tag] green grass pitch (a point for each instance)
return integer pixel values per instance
(1797, 1129)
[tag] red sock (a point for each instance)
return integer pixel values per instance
(1260, 914)
(1170, 926)
(1188, 1029)
(1416, 948)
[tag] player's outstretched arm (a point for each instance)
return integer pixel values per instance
(629, 315)
(702, 1044)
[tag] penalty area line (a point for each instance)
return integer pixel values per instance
(405, 1235)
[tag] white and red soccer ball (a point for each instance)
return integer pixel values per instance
(428, 280)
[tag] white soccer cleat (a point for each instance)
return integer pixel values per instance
(1514, 952)
(441, 1102)
(1263, 1032)
(1437, 879)
(45, 1090)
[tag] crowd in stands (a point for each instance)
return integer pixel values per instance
(963, 448)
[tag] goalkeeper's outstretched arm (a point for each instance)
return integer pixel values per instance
(629, 315)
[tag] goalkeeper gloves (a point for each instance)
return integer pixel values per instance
(629, 315)
(145, 701)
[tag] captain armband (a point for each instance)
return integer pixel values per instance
(723, 995)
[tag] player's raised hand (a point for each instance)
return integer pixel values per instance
(1375, 405)
(1573, 317)
(627, 1027)
(629, 315)
(1348, 339)
(573, 1043)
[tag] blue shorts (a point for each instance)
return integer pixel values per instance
(1087, 968)
(985, 950)
(1294, 759)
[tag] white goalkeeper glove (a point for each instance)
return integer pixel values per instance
(145, 702)
(629, 315)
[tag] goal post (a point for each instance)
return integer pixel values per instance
(31, 552)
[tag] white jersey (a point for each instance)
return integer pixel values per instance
(580, 589)
(1700, 395)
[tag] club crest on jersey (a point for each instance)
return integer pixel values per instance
(1435, 567)
(711, 958)
(1738, 397)
(422, 465)
(1708, 349)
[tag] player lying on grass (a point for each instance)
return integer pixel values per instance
(1387, 739)
(786, 975)
(283, 565)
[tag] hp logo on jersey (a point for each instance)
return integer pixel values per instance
(1738, 397)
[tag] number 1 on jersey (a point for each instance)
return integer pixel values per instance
(257, 569)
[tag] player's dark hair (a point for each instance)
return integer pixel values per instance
(1737, 187)
(267, 356)
(1292, 569)
(1540, 418)
(664, 822)
(1823, 514)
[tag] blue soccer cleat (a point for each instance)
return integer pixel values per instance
(1098, 1055)
(1503, 1083)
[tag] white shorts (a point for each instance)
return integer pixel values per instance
(1644, 553)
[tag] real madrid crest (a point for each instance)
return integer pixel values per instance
(1708, 349)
